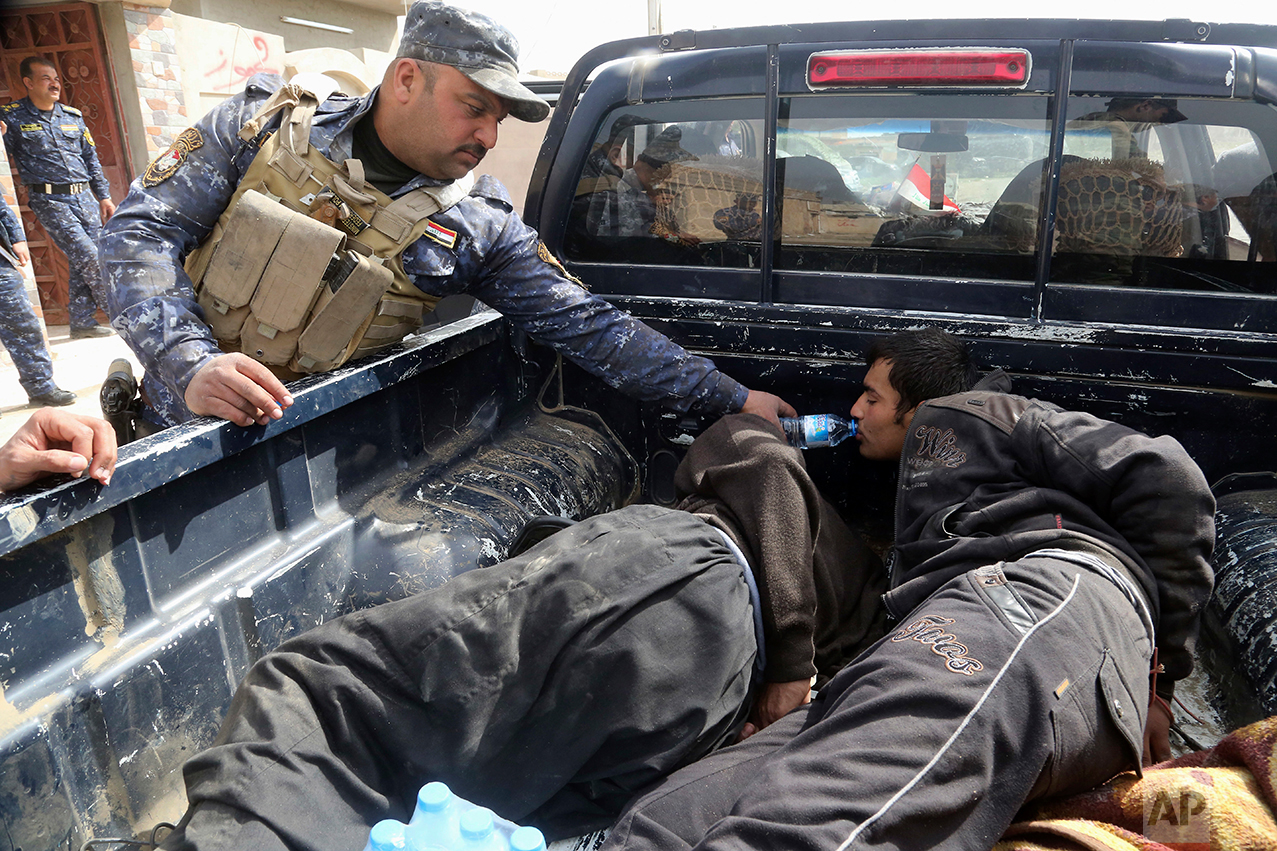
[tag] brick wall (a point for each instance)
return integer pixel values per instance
(157, 73)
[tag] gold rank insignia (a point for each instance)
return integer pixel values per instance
(352, 223)
(547, 256)
(28, 127)
(166, 164)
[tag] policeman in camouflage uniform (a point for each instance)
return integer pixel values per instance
(19, 327)
(410, 143)
(57, 161)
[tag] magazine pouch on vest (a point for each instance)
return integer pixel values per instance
(302, 271)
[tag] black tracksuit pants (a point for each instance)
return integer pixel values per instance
(1008, 684)
(551, 687)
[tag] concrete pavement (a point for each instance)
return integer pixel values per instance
(78, 365)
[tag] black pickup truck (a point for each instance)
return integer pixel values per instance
(1091, 205)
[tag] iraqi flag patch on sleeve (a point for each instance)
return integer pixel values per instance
(166, 164)
(440, 234)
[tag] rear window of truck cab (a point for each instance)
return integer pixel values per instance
(1153, 193)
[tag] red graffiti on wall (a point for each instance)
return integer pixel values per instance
(231, 72)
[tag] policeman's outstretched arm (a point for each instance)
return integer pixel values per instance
(54, 441)
(511, 270)
(237, 388)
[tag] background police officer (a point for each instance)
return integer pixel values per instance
(58, 163)
(19, 327)
(428, 124)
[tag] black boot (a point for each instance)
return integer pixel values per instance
(56, 397)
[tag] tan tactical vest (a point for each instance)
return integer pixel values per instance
(302, 270)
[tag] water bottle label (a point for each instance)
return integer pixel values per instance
(816, 429)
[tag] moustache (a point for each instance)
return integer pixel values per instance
(475, 150)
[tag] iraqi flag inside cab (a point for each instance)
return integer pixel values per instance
(916, 189)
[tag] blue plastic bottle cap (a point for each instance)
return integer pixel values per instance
(433, 797)
(476, 824)
(527, 839)
(386, 835)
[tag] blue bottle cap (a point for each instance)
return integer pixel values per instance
(433, 797)
(386, 835)
(527, 839)
(476, 824)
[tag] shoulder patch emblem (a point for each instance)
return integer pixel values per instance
(71, 109)
(441, 235)
(166, 164)
(88, 137)
(547, 257)
(9, 107)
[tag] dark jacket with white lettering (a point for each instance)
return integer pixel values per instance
(987, 476)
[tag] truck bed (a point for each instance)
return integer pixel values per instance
(132, 611)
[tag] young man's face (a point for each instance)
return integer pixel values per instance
(453, 126)
(44, 85)
(880, 430)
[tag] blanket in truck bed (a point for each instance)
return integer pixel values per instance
(1220, 799)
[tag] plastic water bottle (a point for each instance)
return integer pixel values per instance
(527, 839)
(479, 831)
(816, 430)
(387, 835)
(435, 820)
(442, 821)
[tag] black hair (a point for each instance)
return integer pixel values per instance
(925, 364)
(429, 74)
(27, 69)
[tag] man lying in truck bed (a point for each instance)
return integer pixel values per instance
(1040, 558)
(557, 684)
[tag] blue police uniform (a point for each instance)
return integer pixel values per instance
(19, 326)
(495, 257)
(57, 161)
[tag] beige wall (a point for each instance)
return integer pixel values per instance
(213, 55)
(511, 161)
(217, 59)
(372, 29)
(353, 74)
